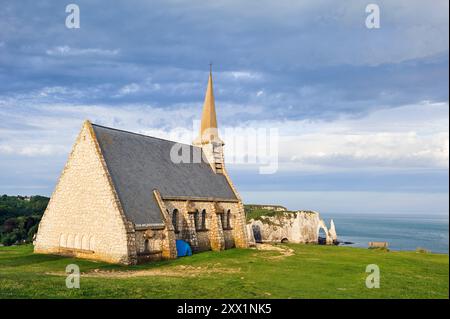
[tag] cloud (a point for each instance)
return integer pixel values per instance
(129, 89)
(343, 154)
(68, 51)
(379, 140)
(145, 87)
(399, 150)
(234, 34)
(36, 150)
(242, 75)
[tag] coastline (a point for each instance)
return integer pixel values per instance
(403, 232)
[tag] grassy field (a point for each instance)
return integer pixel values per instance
(290, 271)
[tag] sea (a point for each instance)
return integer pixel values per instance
(402, 232)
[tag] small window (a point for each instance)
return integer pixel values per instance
(204, 219)
(196, 223)
(228, 219)
(175, 220)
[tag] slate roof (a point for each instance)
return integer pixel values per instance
(138, 164)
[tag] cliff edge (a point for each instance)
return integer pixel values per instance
(265, 224)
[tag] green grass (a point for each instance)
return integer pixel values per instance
(311, 272)
(257, 213)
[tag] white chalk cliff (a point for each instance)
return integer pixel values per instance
(293, 227)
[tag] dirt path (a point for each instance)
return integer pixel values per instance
(284, 251)
(177, 271)
(180, 270)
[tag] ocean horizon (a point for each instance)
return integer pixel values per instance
(401, 231)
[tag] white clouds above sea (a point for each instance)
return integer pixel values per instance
(381, 139)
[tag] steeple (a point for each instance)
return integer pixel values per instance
(208, 138)
(208, 127)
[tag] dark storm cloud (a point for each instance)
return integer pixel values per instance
(314, 59)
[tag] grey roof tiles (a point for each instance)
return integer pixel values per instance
(138, 164)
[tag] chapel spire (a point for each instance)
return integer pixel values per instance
(208, 140)
(208, 127)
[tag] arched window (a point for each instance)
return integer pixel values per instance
(175, 220)
(204, 219)
(196, 221)
(228, 219)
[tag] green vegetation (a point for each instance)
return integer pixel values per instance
(19, 218)
(256, 212)
(292, 271)
(257, 206)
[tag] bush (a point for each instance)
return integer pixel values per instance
(19, 218)
(9, 225)
(9, 239)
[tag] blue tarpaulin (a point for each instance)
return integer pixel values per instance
(183, 248)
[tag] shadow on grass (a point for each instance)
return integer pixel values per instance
(15, 261)
(228, 259)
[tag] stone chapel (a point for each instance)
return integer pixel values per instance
(122, 199)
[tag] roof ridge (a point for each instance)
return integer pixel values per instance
(140, 134)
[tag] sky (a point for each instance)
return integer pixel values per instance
(362, 114)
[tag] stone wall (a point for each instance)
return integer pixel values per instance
(83, 217)
(229, 239)
(239, 228)
(215, 235)
(149, 244)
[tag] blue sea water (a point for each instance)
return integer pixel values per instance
(402, 232)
